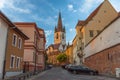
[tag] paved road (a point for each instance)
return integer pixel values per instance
(61, 74)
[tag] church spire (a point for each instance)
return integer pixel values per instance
(59, 25)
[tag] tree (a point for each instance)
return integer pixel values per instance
(62, 57)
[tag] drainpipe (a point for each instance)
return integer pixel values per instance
(4, 63)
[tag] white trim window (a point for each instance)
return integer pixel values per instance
(12, 61)
(14, 40)
(19, 43)
(18, 62)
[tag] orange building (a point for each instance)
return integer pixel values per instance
(34, 47)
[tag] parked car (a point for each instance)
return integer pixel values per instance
(63, 66)
(68, 66)
(82, 69)
(49, 67)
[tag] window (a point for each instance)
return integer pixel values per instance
(19, 43)
(91, 33)
(57, 36)
(62, 36)
(18, 62)
(104, 11)
(99, 21)
(98, 31)
(14, 41)
(12, 61)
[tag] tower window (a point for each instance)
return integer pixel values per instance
(62, 36)
(57, 36)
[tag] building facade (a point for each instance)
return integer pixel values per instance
(104, 50)
(14, 48)
(59, 45)
(69, 53)
(93, 25)
(34, 47)
(42, 43)
(76, 59)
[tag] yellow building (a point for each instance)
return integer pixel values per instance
(97, 21)
(69, 53)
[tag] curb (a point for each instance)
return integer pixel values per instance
(110, 76)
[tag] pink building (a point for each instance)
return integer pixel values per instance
(34, 47)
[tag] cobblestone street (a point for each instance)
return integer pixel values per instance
(61, 74)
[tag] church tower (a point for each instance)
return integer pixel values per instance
(59, 32)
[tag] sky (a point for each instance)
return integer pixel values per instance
(45, 13)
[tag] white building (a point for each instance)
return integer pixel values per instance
(3, 37)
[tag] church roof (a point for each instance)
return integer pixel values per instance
(56, 46)
(59, 26)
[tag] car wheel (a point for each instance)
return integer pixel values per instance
(91, 73)
(74, 72)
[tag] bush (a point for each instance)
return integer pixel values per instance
(62, 57)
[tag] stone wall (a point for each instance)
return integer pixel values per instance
(105, 61)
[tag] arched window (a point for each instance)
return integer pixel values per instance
(62, 36)
(57, 36)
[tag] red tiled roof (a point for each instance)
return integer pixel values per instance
(93, 13)
(82, 23)
(56, 46)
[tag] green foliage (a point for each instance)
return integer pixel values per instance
(62, 57)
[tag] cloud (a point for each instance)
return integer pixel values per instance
(116, 4)
(50, 5)
(48, 33)
(16, 5)
(2, 3)
(71, 8)
(72, 29)
(88, 5)
(50, 21)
